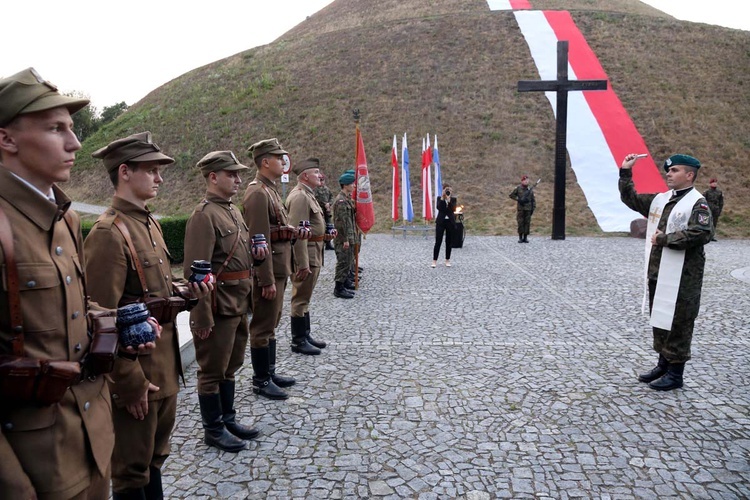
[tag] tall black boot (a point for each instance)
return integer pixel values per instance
(299, 338)
(153, 490)
(317, 343)
(525, 237)
(672, 379)
(263, 384)
(134, 494)
(279, 380)
(226, 392)
(656, 372)
(341, 292)
(216, 434)
(520, 237)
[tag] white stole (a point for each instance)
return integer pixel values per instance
(670, 267)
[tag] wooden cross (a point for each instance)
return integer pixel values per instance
(562, 86)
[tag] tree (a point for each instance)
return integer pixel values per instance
(112, 112)
(85, 122)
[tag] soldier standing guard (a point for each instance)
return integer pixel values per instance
(679, 225)
(325, 200)
(128, 261)
(308, 254)
(61, 449)
(346, 234)
(265, 214)
(524, 209)
(715, 199)
(216, 232)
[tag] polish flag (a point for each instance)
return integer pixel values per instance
(394, 163)
(438, 174)
(600, 131)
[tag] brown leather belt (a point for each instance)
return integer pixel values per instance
(235, 275)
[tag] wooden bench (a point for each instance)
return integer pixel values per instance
(424, 229)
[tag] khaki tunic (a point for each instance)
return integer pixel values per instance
(50, 450)
(308, 254)
(262, 210)
(211, 232)
(114, 282)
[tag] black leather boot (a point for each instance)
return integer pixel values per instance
(216, 434)
(263, 384)
(671, 380)
(341, 292)
(525, 237)
(520, 237)
(317, 343)
(349, 286)
(279, 380)
(226, 392)
(329, 246)
(656, 372)
(153, 490)
(299, 338)
(134, 494)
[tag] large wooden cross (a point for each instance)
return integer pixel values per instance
(562, 86)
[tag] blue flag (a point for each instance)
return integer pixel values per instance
(405, 183)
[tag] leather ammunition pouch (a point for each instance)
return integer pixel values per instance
(105, 342)
(164, 309)
(36, 381)
(283, 233)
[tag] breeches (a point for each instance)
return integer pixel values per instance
(523, 217)
(140, 444)
(302, 292)
(222, 353)
(266, 314)
(439, 230)
(344, 262)
(98, 487)
(674, 344)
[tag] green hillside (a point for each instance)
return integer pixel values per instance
(448, 67)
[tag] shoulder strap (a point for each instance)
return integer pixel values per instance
(14, 294)
(136, 263)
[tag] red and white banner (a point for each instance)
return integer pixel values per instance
(509, 4)
(426, 182)
(363, 194)
(600, 132)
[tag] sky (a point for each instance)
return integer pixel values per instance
(121, 51)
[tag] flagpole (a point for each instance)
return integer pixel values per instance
(356, 175)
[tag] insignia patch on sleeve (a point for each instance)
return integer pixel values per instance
(704, 206)
(703, 219)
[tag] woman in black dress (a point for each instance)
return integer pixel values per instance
(445, 222)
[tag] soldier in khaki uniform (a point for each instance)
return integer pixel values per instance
(62, 450)
(217, 233)
(265, 214)
(144, 388)
(346, 237)
(308, 254)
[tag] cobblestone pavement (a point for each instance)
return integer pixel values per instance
(509, 375)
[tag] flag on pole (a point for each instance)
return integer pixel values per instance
(426, 184)
(394, 162)
(406, 205)
(438, 175)
(363, 193)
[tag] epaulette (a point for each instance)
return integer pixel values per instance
(106, 219)
(202, 205)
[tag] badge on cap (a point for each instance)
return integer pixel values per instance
(668, 162)
(234, 157)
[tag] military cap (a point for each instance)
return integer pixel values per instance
(309, 163)
(135, 148)
(713, 179)
(686, 160)
(219, 160)
(347, 178)
(268, 146)
(524, 177)
(27, 92)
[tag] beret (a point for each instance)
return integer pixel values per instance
(219, 160)
(136, 148)
(686, 160)
(347, 178)
(27, 92)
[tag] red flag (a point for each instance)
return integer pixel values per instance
(396, 192)
(363, 194)
(426, 185)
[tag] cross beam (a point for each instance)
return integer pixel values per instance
(561, 86)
